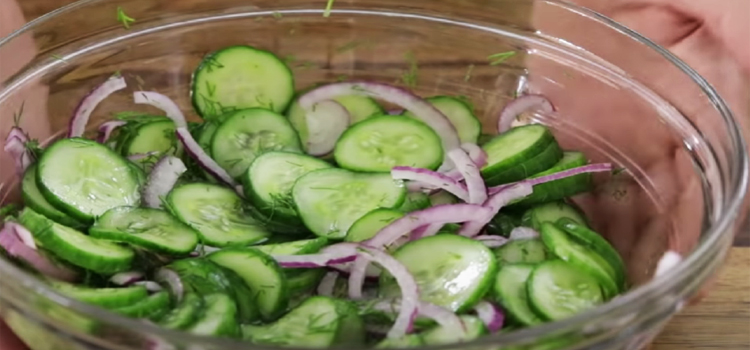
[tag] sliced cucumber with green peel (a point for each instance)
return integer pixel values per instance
(452, 271)
(598, 244)
(305, 281)
(153, 307)
(407, 341)
(184, 314)
(442, 197)
(460, 115)
(306, 246)
(563, 246)
(562, 188)
(551, 212)
(270, 178)
(558, 290)
(379, 143)
(503, 224)
(239, 77)
(85, 179)
(261, 274)
(155, 137)
(219, 318)
(152, 229)
(68, 244)
(371, 223)
(34, 199)
(110, 298)
(530, 251)
(473, 329)
(248, 133)
(217, 213)
(415, 201)
(319, 322)
(510, 291)
(329, 201)
(520, 153)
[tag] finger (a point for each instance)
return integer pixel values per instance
(8, 341)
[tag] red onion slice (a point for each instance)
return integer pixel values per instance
(172, 280)
(425, 231)
(83, 112)
(23, 234)
(407, 284)
(523, 233)
(431, 178)
(38, 260)
(333, 255)
(15, 146)
(668, 261)
(204, 160)
(470, 172)
(421, 109)
(161, 180)
(476, 153)
(328, 284)
(591, 168)
(126, 278)
(520, 105)
(492, 241)
(494, 204)
(491, 315)
(164, 103)
(106, 129)
(326, 121)
(444, 317)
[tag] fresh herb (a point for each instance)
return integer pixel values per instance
(34, 147)
(129, 115)
(409, 78)
(467, 76)
(277, 14)
(211, 63)
(617, 171)
(501, 57)
(18, 115)
(8, 210)
(59, 58)
(329, 6)
(124, 18)
(211, 88)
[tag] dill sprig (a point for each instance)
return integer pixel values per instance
(123, 18)
(277, 15)
(18, 115)
(469, 71)
(501, 57)
(410, 77)
(329, 6)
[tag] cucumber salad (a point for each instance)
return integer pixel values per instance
(343, 214)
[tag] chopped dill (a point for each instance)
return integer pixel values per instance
(211, 88)
(501, 57)
(409, 78)
(8, 210)
(123, 18)
(329, 6)
(470, 70)
(618, 171)
(18, 115)
(277, 14)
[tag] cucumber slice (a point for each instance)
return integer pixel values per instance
(503, 224)
(217, 213)
(319, 322)
(475, 328)
(530, 251)
(520, 153)
(598, 244)
(460, 114)
(329, 201)
(442, 197)
(203, 135)
(157, 137)
(564, 247)
(153, 307)
(219, 317)
(371, 223)
(110, 298)
(415, 201)
(551, 212)
(68, 244)
(270, 178)
(558, 290)
(452, 271)
(359, 108)
(511, 292)
(186, 312)
(562, 188)
(152, 229)
(305, 246)
(408, 341)
(247, 133)
(85, 179)
(34, 199)
(379, 143)
(239, 77)
(261, 274)
(202, 277)
(305, 281)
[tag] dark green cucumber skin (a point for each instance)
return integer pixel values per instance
(559, 210)
(184, 314)
(503, 224)
(110, 298)
(598, 244)
(203, 277)
(153, 307)
(304, 281)
(415, 201)
(540, 156)
(229, 327)
(519, 314)
(30, 190)
(558, 189)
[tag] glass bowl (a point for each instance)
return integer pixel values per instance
(685, 167)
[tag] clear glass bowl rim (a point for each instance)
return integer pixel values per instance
(713, 236)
